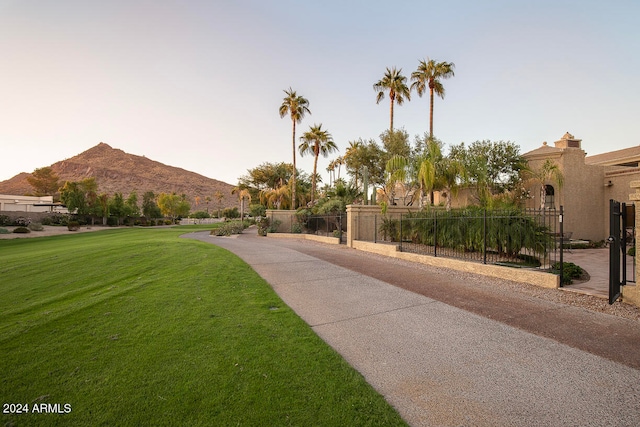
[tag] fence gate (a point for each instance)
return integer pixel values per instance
(617, 248)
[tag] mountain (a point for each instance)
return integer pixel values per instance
(117, 171)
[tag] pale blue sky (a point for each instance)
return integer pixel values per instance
(197, 84)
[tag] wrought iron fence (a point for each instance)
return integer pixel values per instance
(515, 237)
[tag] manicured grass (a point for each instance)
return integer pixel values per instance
(140, 327)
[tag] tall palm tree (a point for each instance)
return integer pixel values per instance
(296, 106)
(316, 141)
(428, 75)
(396, 84)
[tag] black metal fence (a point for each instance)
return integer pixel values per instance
(515, 237)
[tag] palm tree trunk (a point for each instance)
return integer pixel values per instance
(293, 175)
(313, 178)
(391, 118)
(431, 112)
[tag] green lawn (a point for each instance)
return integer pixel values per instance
(140, 327)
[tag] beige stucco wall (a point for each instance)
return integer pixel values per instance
(581, 194)
(11, 203)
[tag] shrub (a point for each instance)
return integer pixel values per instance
(5, 220)
(228, 228)
(73, 226)
(570, 272)
(4, 231)
(22, 230)
(36, 226)
(55, 219)
(632, 251)
(273, 227)
(296, 228)
(22, 221)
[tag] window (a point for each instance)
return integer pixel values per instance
(549, 197)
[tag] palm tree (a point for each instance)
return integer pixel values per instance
(428, 75)
(548, 171)
(316, 141)
(243, 193)
(394, 82)
(297, 106)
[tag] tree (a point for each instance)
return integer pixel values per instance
(44, 181)
(396, 84)
(548, 171)
(150, 208)
(117, 207)
(428, 75)
(81, 197)
(491, 167)
(131, 205)
(316, 141)
(219, 196)
(173, 206)
(243, 193)
(297, 107)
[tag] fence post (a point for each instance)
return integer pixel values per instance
(375, 229)
(561, 244)
(435, 233)
(400, 232)
(484, 239)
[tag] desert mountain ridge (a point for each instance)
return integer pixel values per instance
(118, 171)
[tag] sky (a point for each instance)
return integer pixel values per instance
(198, 84)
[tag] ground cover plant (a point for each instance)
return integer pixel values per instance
(136, 327)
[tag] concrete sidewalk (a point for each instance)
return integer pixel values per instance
(442, 365)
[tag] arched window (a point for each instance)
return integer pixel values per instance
(549, 197)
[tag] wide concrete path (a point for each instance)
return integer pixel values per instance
(442, 365)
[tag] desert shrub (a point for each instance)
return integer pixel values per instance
(73, 226)
(22, 221)
(200, 215)
(256, 210)
(5, 220)
(231, 213)
(296, 228)
(228, 228)
(4, 231)
(273, 226)
(22, 230)
(36, 226)
(570, 272)
(55, 219)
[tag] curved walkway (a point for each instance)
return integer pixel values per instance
(446, 349)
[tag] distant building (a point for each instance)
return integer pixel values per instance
(9, 203)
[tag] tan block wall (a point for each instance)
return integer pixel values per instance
(582, 194)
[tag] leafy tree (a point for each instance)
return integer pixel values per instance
(429, 75)
(150, 208)
(360, 154)
(493, 168)
(173, 205)
(297, 107)
(395, 143)
(131, 205)
(81, 196)
(44, 181)
(316, 141)
(117, 207)
(396, 84)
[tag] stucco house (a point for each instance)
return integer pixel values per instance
(589, 182)
(11, 203)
